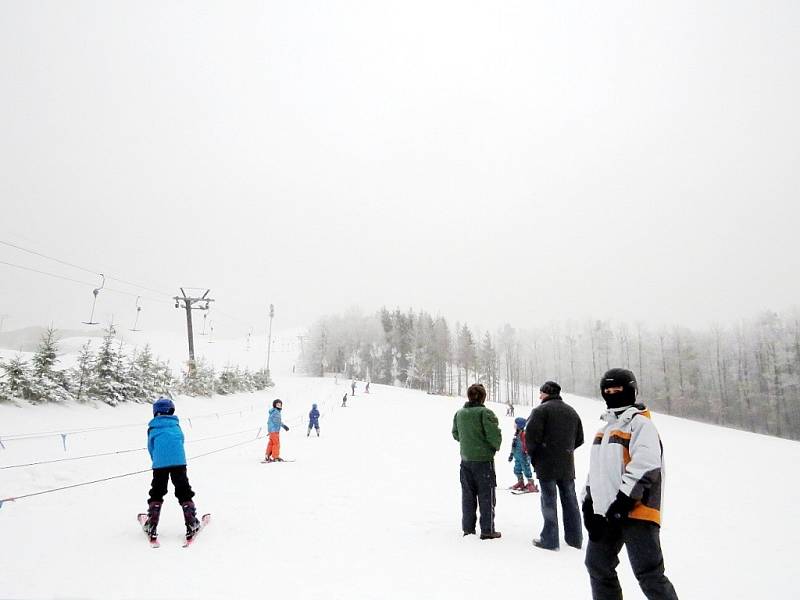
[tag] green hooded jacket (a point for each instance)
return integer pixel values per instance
(477, 430)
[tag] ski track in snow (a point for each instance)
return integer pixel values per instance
(369, 510)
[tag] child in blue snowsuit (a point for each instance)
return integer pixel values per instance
(165, 444)
(522, 462)
(313, 420)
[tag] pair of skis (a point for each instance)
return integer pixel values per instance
(154, 543)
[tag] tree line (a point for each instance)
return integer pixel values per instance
(745, 375)
(112, 375)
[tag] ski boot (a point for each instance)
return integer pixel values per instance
(517, 486)
(277, 459)
(190, 517)
(150, 526)
(531, 487)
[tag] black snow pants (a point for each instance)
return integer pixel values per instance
(478, 484)
(641, 538)
(158, 489)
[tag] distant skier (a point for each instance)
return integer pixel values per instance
(313, 420)
(522, 462)
(274, 426)
(353, 387)
(510, 410)
(344, 400)
(622, 500)
(366, 389)
(165, 445)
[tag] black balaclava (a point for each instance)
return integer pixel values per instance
(619, 378)
(276, 402)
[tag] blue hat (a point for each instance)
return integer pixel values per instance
(163, 406)
(520, 422)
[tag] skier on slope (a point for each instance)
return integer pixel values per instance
(522, 462)
(165, 445)
(313, 420)
(353, 387)
(274, 426)
(344, 400)
(622, 499)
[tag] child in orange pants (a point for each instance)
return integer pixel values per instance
(274, 426)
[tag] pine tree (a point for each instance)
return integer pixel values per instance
(47, 384)
(198, 380)
(16, 383)
(83, 373)
(107, 385)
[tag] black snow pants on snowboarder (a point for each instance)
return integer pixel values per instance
(644, 551)
(158, 489)
(478, 484)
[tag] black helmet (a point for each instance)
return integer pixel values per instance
(619, 378)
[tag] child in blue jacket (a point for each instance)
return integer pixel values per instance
(165, 444)
(274, 426)
(313, 420)
(522, 462)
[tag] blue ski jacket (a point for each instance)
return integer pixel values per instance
(313, 416)
(274, 422)
(165, 442)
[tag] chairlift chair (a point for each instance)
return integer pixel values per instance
(95, 292)
(138, 310)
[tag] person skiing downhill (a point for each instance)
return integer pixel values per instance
(165, 445)
(344, 400)
(274, 426)
(622, 499)
(313, 420)
(353, 387)
(522, 462)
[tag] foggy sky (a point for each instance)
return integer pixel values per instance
(490, 161)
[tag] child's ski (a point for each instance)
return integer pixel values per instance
(142, 518)
(521, 492)
(267, 462)
(204, 520)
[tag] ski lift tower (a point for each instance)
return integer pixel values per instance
(269, 334)
(190, 303)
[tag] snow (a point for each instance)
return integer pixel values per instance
(371, 509)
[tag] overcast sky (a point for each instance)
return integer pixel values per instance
(490, 161)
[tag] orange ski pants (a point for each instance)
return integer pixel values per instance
(274, 445)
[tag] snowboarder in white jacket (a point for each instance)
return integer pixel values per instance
(622, 499)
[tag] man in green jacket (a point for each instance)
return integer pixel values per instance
(477, 431)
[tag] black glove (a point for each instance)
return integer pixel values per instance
(510, 457)
(595, 524)
(617, 513)
(285, 427)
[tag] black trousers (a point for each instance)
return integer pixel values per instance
(158, 489)
(478, 483)
(641, 539)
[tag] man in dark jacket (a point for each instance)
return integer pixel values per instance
(554, 431)
(477, 431)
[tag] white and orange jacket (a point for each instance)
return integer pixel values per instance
(627, 456)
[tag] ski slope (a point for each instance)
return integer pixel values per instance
(371, 509)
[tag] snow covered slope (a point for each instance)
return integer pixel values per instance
(369, 510)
